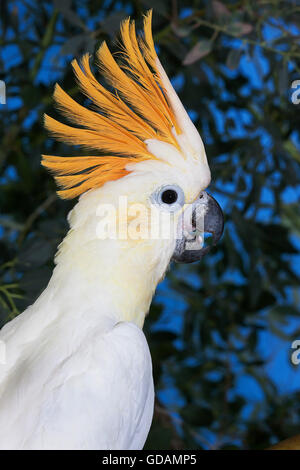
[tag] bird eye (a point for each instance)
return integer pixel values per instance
(169, 197)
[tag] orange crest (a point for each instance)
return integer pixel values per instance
(137, 110)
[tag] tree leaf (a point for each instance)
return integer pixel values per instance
(180, 31)
(111, 23)
(201, 49)
(240, 29)
(221, 11)
(74, 45)
(292, 149)
(70, 15)
(233, 58)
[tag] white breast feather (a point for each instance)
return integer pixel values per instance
(97, 396)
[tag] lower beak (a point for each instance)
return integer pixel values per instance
(203, 216)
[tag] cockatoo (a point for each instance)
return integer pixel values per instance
(78, 371)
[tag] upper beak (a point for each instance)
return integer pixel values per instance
(203, 216)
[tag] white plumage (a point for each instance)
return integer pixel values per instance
(78, 371)
(98, 396)
(76, 377)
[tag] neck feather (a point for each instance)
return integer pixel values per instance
(109, 277)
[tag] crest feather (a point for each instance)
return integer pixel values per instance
(137, 110)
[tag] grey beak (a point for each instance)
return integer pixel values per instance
(207, 217)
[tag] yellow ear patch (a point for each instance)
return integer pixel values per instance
(137, 110)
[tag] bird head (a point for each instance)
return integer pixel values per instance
(147, 178)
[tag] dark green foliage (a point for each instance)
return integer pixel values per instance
(234, 64)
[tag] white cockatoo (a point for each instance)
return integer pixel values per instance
(77, 371)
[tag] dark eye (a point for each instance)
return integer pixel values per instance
(169, 196)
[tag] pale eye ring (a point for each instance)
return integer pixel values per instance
(169, 197)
